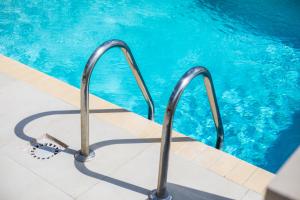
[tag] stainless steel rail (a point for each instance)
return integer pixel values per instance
(161, 192)
(86, 153)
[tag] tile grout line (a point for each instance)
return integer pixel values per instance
(245, 194)
(115, 170)
(87, 190)
(254, 171)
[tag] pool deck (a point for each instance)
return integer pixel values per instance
(127, 149)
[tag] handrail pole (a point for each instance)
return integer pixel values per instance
(84, 117)
(86, 153)
(140, 81)
(161, 192)
(214, 109)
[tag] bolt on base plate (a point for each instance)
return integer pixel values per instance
(153, 196)
(81, 158)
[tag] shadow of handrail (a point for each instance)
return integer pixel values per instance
(19, 128)
(19, 131)
(81, 167)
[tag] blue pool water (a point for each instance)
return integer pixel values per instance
(252, 49)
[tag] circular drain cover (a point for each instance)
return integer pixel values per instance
(44, 151)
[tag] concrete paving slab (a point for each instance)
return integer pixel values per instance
(18, 183)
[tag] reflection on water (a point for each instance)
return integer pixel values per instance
(275, 18)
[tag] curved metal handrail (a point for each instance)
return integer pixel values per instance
(85, 153)
(161, 192)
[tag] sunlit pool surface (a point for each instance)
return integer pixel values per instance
(252, 49)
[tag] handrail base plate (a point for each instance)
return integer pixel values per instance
(153, 196)
(81, 158)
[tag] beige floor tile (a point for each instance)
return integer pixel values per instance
(208, 157)
(241, 172)
(225, 164)
(6, 80)
(19, 183)
(189, 150)
(259, 180)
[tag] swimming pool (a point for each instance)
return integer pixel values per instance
(252, 49)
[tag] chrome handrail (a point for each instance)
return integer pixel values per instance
(86, 153)
(161, 192)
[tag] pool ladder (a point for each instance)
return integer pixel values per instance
(85, 154)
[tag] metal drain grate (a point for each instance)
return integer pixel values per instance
(45, 150)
